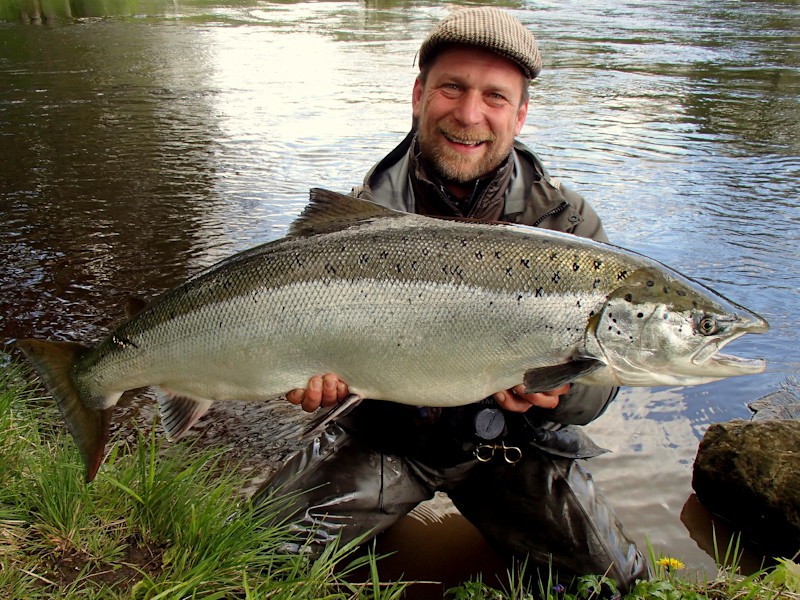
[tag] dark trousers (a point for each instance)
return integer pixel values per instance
(543, 509)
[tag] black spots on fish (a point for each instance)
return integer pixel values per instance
(640, 315)
(525, 262)
(556, 276)
(597, 264)
(650, 283)
(330, 269)
(464, 242)
(578, 303)
(553, 256)
(519, 298)
(539, 293)
(479, 255)
(614, 327)
(498, 255)
(123, 342)
(622, 275)
(509, 271)
(298, 260)
(681, 293)
(596, 283)
(453, 271)
(425, 251)
(363, 258)
(576, 267)
(628, 297)
(384, 254)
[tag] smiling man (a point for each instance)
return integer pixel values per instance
(508, 462)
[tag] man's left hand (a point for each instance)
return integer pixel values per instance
(516, 400)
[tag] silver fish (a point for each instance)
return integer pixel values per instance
(405, 308)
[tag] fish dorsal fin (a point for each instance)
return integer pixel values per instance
(330, 211)
(179, 413)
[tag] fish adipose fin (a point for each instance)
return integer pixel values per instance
(330, 211)
(549, 378)
(89, 427)
(179, 413)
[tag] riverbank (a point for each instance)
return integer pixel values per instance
(156, 523)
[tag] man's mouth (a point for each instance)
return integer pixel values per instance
(462, 141)
(471, 141)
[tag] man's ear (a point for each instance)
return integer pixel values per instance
(416, 98)
(522, 114)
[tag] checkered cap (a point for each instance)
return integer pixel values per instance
(490, 28)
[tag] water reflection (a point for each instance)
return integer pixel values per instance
(141, 148)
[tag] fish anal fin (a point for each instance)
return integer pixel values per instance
(179, 413)
(330, 211)
(543, 379)
(89, 427)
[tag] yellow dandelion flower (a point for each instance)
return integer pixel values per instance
(670, 563)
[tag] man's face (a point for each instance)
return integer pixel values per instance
(469, 111)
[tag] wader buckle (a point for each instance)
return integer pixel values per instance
(485, 452)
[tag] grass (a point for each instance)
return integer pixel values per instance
(168, 525)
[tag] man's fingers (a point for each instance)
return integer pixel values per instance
(325, 391)
(296, 395)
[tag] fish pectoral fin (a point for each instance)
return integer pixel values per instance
(179, 413)
(549, 378)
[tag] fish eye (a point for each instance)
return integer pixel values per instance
(707, 325)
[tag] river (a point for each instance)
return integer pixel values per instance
(142, 141)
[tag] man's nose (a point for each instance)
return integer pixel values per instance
(469, 108)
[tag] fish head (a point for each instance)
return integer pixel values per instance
(661, 328)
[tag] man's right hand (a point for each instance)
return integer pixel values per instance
(322, 391)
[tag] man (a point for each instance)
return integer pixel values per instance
(507, 463)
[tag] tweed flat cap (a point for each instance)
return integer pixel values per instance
(486, 27)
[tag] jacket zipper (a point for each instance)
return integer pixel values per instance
(550, 213)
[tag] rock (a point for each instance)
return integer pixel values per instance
(783, 404)
(748, 473)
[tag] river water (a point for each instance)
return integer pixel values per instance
(141, 145)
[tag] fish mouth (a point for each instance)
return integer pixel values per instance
(727, 364)
(709, 354)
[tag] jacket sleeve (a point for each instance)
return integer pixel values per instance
(582, 405)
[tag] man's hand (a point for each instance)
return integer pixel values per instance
(516, 400)
(325, 391)
(328, 390)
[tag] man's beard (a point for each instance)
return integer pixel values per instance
(453, 166)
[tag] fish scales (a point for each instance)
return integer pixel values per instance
(396, 286)
(405, 308)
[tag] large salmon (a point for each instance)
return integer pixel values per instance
(405, 308)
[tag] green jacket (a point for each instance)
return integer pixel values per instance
(529, 196)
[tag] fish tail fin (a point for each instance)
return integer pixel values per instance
(89, 427)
